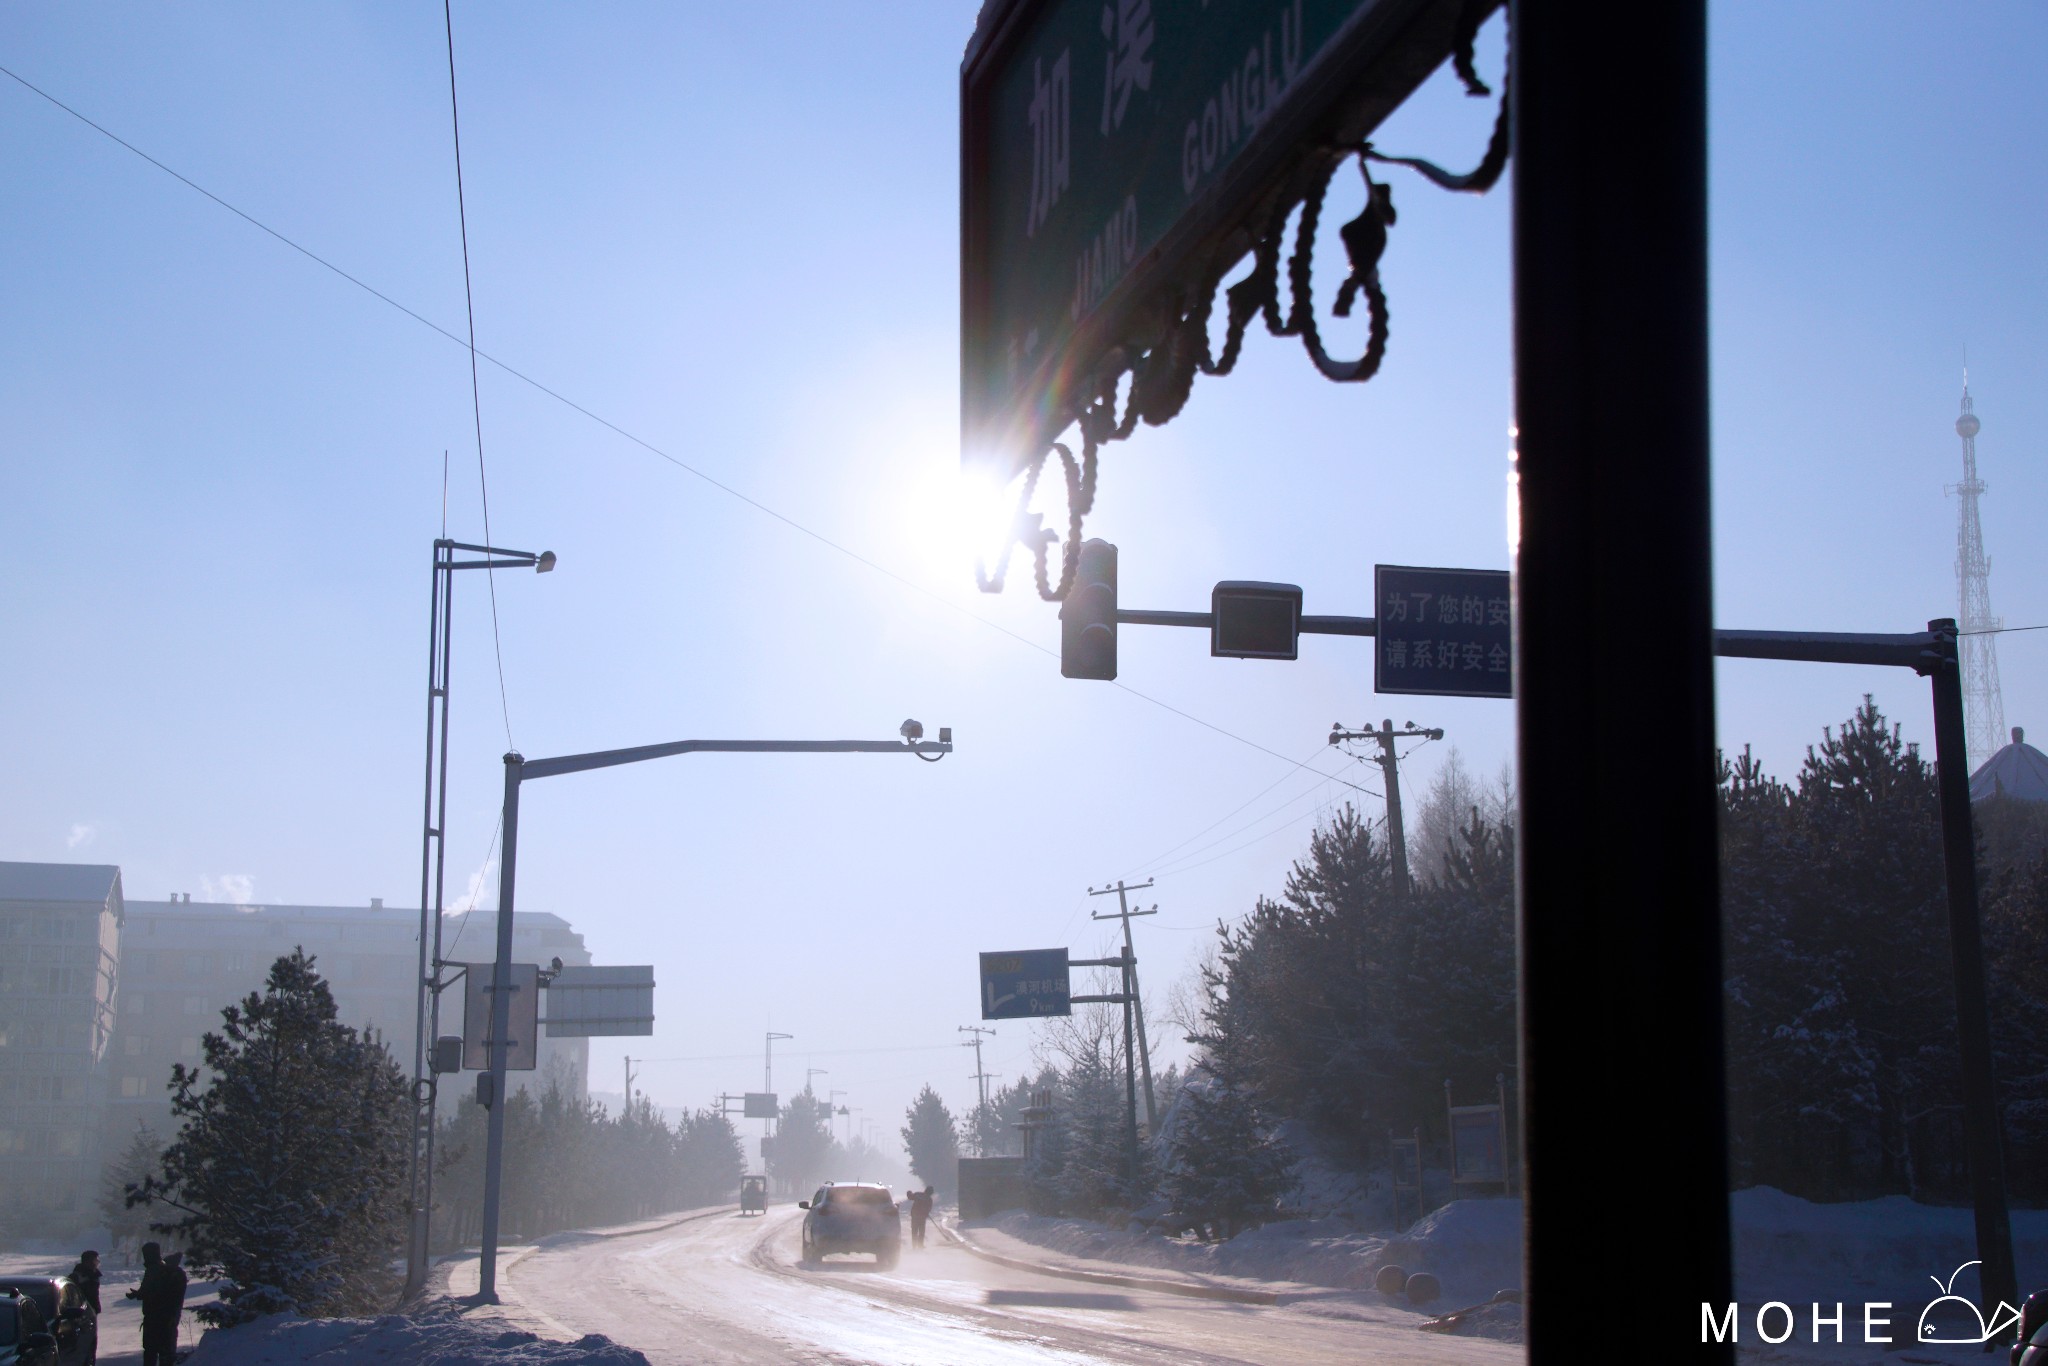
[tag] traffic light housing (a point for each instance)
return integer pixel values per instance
(1088, 616)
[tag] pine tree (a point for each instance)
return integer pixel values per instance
(129, 1224)
(803, 1142)
(287, 1174)
(932, 1141)
(1226, 1172)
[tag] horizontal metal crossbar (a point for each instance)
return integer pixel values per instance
(611, 758)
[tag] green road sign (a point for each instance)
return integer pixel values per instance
(1113, 150)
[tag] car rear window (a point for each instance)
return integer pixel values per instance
(859, 1195)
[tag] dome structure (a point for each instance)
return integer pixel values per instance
(2018, 770)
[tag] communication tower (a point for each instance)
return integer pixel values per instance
(1983, 706)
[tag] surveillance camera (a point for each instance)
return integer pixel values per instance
(556, 964)
(911, 730)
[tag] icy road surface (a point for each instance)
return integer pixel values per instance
(728, 1289)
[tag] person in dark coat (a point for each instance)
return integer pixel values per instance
(920, 1211)
(86, 1277)
(162, 1293)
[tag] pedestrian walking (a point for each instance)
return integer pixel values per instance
(162, 1293)
(920, 1211)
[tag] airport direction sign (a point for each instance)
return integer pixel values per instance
(1024, 984)
(1112, 153)
(1443, 632)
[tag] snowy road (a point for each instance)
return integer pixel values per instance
(726, 1289)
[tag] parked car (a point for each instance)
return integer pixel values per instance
(56, 1309)
(25, 1337)
(852, 1216)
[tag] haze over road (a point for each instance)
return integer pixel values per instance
(725, 1289)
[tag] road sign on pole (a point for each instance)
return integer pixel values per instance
(1024, 984)
(1443, 632)
(522, 1043)
(589, 1002)
(1112, 157)
(760, 1105)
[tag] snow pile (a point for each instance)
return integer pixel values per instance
(1474, 1247)
(286, 1340)
(1798, 1252)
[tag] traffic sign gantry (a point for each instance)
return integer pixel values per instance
(1024, 984)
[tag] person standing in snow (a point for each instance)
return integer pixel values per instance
(920, 1210)
(162, 1293)
(86, 1276)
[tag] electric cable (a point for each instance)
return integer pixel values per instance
(615, 428)
(476, 403)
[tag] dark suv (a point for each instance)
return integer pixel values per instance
(852, 1216)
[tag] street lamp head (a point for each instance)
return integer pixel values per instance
(546, 563)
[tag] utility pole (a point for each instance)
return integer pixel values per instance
(1136, 1006)
(629, 1085)
(980, 1077)
(833, 1107)
(1390, 768)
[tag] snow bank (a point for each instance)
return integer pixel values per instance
(1474, 1247)
(434, 1340)
(1797, 1251)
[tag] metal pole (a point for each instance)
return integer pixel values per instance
(1981, 1130)
(501, 1027)
(1613, 634)
(418, 1163)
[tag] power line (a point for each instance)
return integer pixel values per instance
(652, 449)
(1179, 863)
(476, 403)
(1299, 765)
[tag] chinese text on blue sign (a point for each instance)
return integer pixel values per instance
(1443, 632)
(1024, 984)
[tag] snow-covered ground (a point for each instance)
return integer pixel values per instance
(1789, 1250)
(438, 1337)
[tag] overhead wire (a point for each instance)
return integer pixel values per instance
(476, 403)
(524, 378)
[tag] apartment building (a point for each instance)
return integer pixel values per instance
(100, 996)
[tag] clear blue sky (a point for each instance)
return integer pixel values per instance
(731, 231)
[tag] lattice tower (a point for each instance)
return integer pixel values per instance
(1983, 706)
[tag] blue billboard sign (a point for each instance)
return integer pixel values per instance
(1025, 984)
(1443, 632)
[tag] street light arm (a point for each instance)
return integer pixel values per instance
(612, 758)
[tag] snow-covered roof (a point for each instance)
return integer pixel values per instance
(2019, 770)
(93, 882)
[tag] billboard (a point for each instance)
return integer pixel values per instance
(590, 1002)
(760, 1105)
(522, 1053)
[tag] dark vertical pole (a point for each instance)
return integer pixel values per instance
(501, 1030)
(1997, 1277)
(1397, 833)
(1619, 916)
(1130, 1070)
(420, 1162)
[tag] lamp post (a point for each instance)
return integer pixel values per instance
(433, 868)
(519, 770)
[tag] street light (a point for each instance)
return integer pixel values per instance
(518, 770)
(433, 869)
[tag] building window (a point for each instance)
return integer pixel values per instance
(132, 1045)
(131, 1088)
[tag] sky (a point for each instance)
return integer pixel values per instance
(731, 231)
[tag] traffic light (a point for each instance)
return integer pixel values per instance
(1088, 616)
